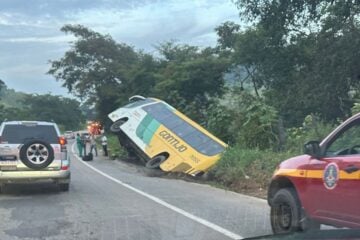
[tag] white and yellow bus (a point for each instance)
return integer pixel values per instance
(164, 137)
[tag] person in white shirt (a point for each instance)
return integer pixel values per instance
(104, 145)
(93, 144)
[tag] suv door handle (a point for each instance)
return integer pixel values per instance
(351, 169)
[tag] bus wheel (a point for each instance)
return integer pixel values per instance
(155, 162)
(115, 127)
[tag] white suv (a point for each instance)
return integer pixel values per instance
(33, 151)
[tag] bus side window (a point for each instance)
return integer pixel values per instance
(172, 121)
(158, 111)
(183, 129)
(163, 114)
(196, 139)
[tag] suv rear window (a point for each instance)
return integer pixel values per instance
(22, 133)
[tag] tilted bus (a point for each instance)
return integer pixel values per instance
(164, 137)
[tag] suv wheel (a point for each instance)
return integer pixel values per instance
(285, 211)
(64, 187)
(37, 154)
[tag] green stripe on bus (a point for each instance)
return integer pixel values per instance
(150, 131)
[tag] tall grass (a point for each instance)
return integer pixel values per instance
(114, 147)
(239, 163)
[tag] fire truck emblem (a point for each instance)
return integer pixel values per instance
(331, 176)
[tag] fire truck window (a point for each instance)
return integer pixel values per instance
(346, 143)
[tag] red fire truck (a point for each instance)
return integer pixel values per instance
(320, 187)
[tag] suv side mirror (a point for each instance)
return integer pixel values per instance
(312, 148)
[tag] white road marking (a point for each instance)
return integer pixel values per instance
(162, 202)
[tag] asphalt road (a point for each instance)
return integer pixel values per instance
(115, 200)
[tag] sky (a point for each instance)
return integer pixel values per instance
(30, 33)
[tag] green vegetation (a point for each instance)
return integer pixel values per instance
(255, 164)
(288, 77)
(114, 148)
(105, 73)
(21, 106)
(239, 164)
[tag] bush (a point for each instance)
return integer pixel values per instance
(243, 161)
(355, 109)
(256, 128)
(244, 119)
(312, 129)
(219, 119)
(238, 163)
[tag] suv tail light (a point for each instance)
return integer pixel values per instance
(62, 142)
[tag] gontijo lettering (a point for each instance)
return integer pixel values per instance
(173, 141)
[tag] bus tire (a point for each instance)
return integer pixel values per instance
(155, 162)
(115, 127)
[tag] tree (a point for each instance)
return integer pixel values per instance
(17, 106)
(61, 110)
(244, 119)
(227, 34)
(13, 114)
(105, 73)
(2, 84)
(189, 77)
(96, 68)
(302, 54)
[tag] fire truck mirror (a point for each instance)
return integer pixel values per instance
(312, 148)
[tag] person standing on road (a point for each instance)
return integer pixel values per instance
(93, 144)
(104, 145)
(79, 144)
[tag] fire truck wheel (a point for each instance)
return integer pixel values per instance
(285, 211)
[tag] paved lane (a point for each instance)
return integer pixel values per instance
(141, 207)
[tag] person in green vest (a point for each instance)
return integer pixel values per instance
(79, 143)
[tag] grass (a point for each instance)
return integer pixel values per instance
(239, 166)
(114, 148)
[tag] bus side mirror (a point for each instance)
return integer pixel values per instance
(312, 148)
